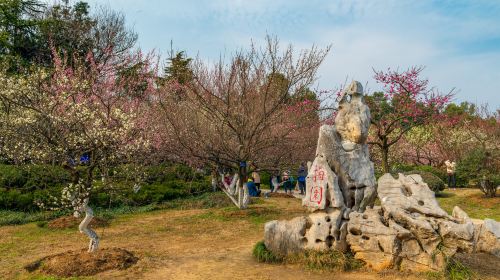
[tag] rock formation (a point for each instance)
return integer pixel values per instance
(342, 162)
(408, 231)
(340, 180)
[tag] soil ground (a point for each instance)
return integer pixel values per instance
(177, 244)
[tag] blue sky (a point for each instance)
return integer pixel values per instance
(457, 41)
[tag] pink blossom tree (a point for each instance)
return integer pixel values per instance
(245, 110)
(406, 102)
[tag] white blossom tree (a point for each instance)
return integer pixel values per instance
(86, 118)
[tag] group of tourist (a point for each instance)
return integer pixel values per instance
(287, 181)
(277, 180)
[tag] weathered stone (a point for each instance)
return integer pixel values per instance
(488, 237)
(285, 237)
(372, 241)
(409, 231)
(460, 214)
(322, 188)
(408, 193)
(344, 148)
(353, 119)
(324, 231)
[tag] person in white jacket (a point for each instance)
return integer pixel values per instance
(450, 170)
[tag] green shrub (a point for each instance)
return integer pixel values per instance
(262, 254)
(433, 181)
(471, 169)
(22, 186)
(46, 176)
(12, 176)
(31, 177)
(402, 168)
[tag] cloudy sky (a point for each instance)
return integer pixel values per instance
(457, 41)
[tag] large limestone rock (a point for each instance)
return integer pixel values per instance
(319, 231)
(341, 180)
(408, 193)
(285, 237)
(322, 187)
(325, 231)
(374, 241)
(488, 237)
(343, 146)
(409, 231)
(412, 232)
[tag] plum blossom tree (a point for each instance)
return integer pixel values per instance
(82, 117)
(406, 103)
(246, 110)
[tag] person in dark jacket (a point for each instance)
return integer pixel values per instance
(288, 182)
(301, 177)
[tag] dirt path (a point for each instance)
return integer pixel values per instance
(174, 244)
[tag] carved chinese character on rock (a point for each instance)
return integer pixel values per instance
(322, 188)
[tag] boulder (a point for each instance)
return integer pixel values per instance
(488, 237)
(319, 231)
(409, 231)
(322, 189)
(285, 237)
(373, 241)
(409, 194)
(342, 148)
(324, 232)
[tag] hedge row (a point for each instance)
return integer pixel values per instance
(22, 186)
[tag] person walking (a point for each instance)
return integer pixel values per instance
(450, 170)
(301, 177)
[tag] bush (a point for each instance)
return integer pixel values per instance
(32, 177)
(433, 181)
(472, 169)
(12, 176)
(46, 176)
(22, 186)
(402, 168)
(167, 191)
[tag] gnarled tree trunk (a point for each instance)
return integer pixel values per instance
(84, 227)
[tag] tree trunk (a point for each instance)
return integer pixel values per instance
(214, 180)
(488, 188)
(242, 198)
(385, 159)
(84, 227)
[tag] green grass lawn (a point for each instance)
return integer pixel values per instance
(472, 201)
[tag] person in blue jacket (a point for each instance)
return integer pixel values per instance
(252, 188)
